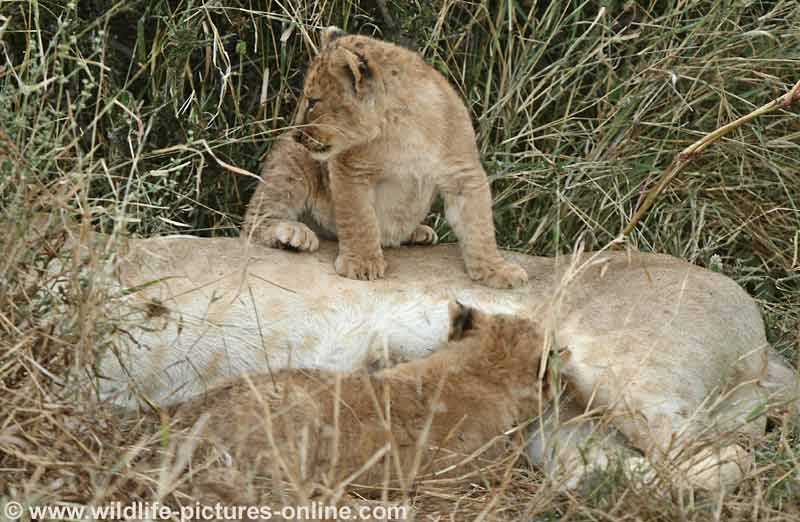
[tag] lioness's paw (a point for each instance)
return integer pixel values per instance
(423, 235)
(505, 275)
(292, 234)
(365, 268)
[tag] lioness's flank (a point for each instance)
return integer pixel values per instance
(382, 133)
(666, 359)
(424, 416)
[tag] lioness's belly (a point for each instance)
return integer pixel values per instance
(205, 309)
(210, 309)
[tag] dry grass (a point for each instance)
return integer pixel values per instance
(141, 117)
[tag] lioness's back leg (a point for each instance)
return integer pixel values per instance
(290, 177)
(573, 449)
(468, 207)
(696, 444)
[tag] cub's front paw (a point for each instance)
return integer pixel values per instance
(356, 267)
(291, 234)
(423, 235)
(504, 275)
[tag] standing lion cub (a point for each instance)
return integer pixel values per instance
(381, 133)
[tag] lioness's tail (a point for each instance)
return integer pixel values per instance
(782, 381)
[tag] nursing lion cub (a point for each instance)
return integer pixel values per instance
(381, 133)
(424, 416)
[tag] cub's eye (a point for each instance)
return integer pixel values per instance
(312, 102)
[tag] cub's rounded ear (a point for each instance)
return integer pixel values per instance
(353, 69)
(330, 34)
(462, 320)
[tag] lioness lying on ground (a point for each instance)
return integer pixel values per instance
(382, 133)
(418, 418)
(666, 360)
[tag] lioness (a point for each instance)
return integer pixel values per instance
(666, 359)
(425, 416)
(382, 132)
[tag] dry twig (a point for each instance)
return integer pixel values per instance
(693, 150)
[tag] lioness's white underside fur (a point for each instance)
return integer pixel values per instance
(668, 353)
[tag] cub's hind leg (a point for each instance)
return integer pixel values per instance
(423, 235)
(468, 208)
(290, 178)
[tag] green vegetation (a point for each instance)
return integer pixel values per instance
(145, 116)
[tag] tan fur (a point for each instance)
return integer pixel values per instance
(382, 133)
(441, 409)
(666, 358)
